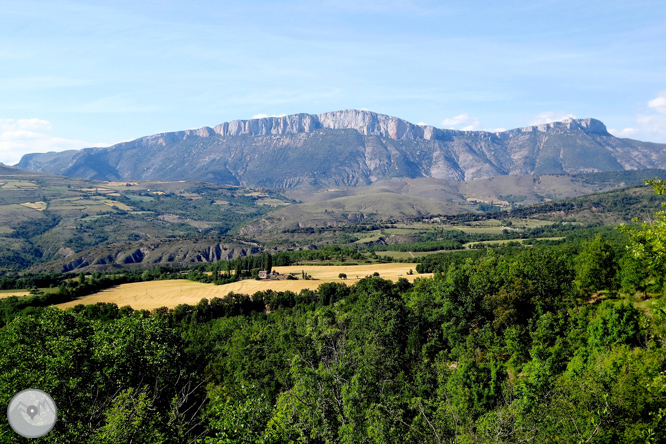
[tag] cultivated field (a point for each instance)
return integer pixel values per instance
(410, 254)
(9, 293)
(149, 295)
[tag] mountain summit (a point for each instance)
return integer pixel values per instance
(352, 147)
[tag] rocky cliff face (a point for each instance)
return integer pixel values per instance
(352, 147)
(148, 254)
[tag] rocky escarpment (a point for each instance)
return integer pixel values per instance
(352, 147)
(149, 254)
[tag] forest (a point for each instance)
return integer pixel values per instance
(546, 344)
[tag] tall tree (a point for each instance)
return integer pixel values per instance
(648, 241)
(596, 267)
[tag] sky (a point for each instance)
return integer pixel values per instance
(75, 74)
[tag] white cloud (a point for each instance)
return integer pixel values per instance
(551, 116)
(23, 136)
(23, 124)
(265, 116)
(659, 103)
(650, 124)
(625, 132)
(654, 124)
(462, 122)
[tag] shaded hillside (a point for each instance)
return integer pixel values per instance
(352, 148)
(149, 253)
(47, 218)
(351, 210)
(501, 190)
(606, 208)
(402, 199)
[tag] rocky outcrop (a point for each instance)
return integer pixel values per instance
(372, 124)
(366, 123)
(297, 123)
(146, 255)
(352, 148)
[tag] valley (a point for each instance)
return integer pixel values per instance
(171, 293)
(63, 224)
(398, 279)
(337, 222)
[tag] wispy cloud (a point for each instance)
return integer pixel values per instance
(463, 122)
(625, 132)
(40, 83)
(293, 101)
(11, 125)
(23, 136)
(653, 124)
(394, 7)
(265, 116)
(650, 124)
(117, 104)
(551, 116)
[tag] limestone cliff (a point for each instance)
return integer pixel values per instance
(352, 147)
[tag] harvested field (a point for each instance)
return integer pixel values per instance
(155, 294)
(410, 254)
(39, 206)
(9, 293)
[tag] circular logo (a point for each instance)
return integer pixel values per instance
(32, 413)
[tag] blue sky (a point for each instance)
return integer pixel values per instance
(84, 73)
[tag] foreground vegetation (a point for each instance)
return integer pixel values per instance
(561, 342)
(504, 348)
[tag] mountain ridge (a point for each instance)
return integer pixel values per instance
(352, 147)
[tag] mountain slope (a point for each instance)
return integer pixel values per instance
(55, 223)
(352, 148)
(77, 222)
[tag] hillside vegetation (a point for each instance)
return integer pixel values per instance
(551, 343)
(56, 224)
(52, 218)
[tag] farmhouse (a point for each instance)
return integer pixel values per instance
(274, 275)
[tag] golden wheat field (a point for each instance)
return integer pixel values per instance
(154, 294)
(9, 293)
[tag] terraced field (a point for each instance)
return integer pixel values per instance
(154, 294)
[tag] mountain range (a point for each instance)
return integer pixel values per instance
(352, 148)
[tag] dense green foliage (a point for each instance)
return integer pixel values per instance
(501, 346)
(543, 344)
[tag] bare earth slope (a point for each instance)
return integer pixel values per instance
(352, 148)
